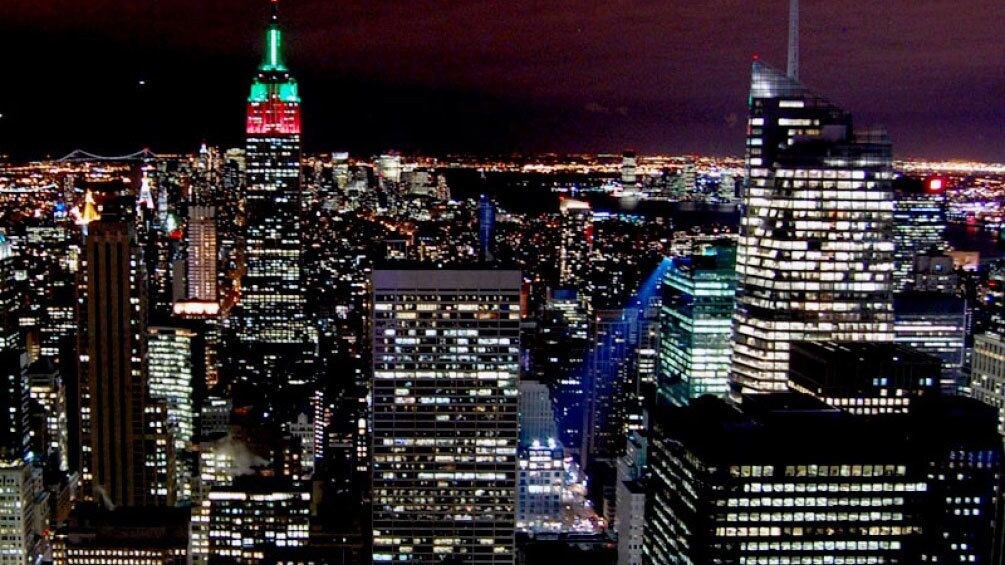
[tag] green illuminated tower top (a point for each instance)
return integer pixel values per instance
(274, 80)
(273, 60)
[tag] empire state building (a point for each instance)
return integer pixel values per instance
(272, 324)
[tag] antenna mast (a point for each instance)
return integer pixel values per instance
(793, 68)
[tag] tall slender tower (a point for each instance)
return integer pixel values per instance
(815, 258)
(119, 437)
(273, 324)
(793, 68)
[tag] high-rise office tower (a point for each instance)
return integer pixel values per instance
(788, 479)
(987, 373)
(815, 257)
(203, 319)
(247, 521)
(50, 431)
(389, 169)
(486, 227)
(608, 368)
(727, 188)
(273, 325)
(115, 420)
(23, 513)
(542, 481)
(541, 460)
(202, 253)
(919, 224)
(695, 324)
(575, 246)
(174, 354)
(537, 417)
(560, 361)
(444, 418)
(14, 431)
(631, 500)
(689, 174)
(936, 324)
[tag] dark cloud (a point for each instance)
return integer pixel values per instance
(483, 75)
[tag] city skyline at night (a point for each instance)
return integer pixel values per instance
(484, 283)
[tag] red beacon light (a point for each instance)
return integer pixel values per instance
(935, 185)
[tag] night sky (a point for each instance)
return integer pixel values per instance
(495, 75)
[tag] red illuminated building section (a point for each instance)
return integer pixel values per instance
(273, 117)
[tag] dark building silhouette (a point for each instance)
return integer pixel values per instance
(790, 478)
(118, 425)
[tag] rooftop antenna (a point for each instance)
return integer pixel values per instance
(793, 68)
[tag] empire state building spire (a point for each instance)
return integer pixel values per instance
(273, 56)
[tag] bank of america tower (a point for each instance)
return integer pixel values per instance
(815, 259)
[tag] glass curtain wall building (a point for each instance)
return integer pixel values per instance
(919, 216)
(695, 324)
(815, 258)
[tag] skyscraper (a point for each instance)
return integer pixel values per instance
(987, 374)
(629, 170)
(202, 253)
(936, 324)
(694, 345)
(575, 245)
(486, 227)
(273, 325)
(23, 513)
(788, 479)
(174, 354)
(244, 522)
(445, 424)
(608, 369)
(815, 257)
(919, 218)
(114, 412)
(14, 431)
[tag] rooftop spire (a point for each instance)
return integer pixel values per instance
(793, 68)
(273, 60)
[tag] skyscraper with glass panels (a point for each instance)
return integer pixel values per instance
(695, 324)
(445, 417)
(273, 324)
(919, 216)
(815, 258)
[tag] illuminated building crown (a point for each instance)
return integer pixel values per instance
(274, 101)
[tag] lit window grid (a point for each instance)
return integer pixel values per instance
(445, 423)
(814, 261)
